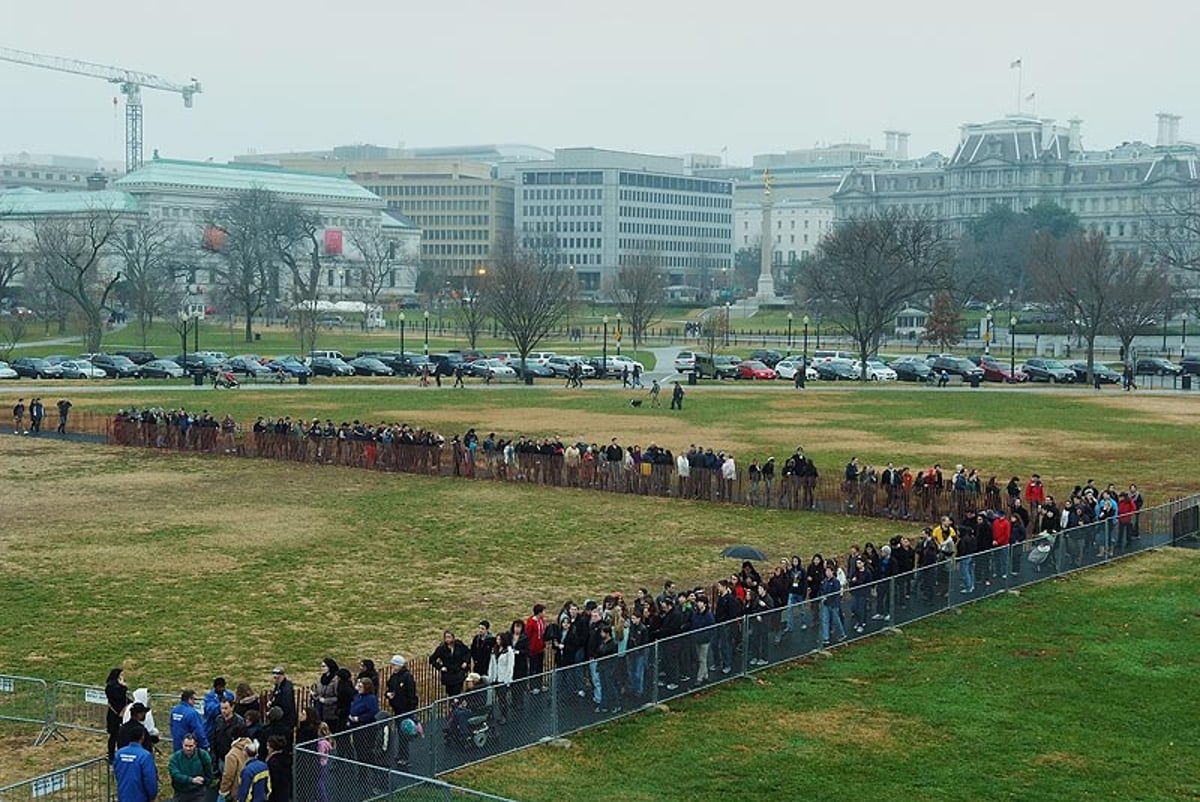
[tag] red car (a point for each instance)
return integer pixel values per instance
(996, 371)
(753, 369)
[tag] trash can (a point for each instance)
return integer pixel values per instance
(257, 336)
(1186, 381)
(528, 377)
(198, 378)
(692, 379)
(975, 380)
(302, 378)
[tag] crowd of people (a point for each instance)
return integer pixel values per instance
(36, 413)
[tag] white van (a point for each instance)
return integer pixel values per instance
(826, 356)
(326, 355)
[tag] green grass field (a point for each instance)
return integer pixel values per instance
(180, 568)
(1076, 689)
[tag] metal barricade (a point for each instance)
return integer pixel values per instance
(90, 781)
(78, 707)
(26, 699)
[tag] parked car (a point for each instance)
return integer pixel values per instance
(446, 363)
(331, 321)
(725, 366)
(1156, 366)
(996, 371)
(138, 357)
(836, 369)
(754, 369)
(621, 362)
(500, 371)
(370, 366)
(877, 371)
(684, 361)
(197, 361)
(787, 369)
(1191, 364)
(32, 367)
(768, 356)
(8, 373)
(468, 355)
(116, 367)
(956, 366)
(289, 365)
(329, 366)
(80, 369)
(911, 369)
(1104, 373)
(534, 369)
(1048, 370)
(163, 369)
(249, 365)
(58, 359)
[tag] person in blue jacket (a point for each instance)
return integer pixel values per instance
(185, 718)
(212, 704)
(134, 770)
(255, 784)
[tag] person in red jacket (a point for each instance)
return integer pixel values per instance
(535, 630)
(1035, 495)
(1001, 533)
(1126, 509)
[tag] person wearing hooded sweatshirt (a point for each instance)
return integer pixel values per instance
(140, 696)
(117, 695)
(325, 694)
(134, 771)
(212, 704)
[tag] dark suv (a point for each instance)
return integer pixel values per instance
(138, 357)
(767, 356)
(446, 363)
(1156, 366)
(116, 366)
(956, 366)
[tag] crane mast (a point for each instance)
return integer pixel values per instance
(130, 83)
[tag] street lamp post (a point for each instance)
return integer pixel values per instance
(1012, 347)
(987, 332)
(619, 334)
(401, 335)
(789, 340)
(727, 308)
(804, 366)
(184, 320)
(426, 332)
(1183, 339)
(604, 357)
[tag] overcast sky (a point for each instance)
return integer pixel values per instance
(657, 76)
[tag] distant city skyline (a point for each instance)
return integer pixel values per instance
(663, 78)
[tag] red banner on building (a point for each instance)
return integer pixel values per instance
(214, 239)
(333, 242)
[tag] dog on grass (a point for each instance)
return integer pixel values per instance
(635, 402)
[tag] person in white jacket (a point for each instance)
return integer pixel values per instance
(142, 695)
(500, 673)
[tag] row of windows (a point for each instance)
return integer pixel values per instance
(675, 182)
(677, 246)
(778, 239)
(779, 225)
(564, 259)
(562, 194)
(457, 234)
(655, 213)
(75, 179)
(432, 249)
(427, 190)
(675, 200)
(577, 177)
(561, 211)
(426, 221)
(411, 206)
(673, 231)
(679, 262)
(563, 225)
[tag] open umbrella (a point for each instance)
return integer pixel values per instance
(743, 553)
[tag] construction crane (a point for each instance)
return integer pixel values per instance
(130, 82)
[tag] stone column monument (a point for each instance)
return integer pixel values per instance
(766, 282)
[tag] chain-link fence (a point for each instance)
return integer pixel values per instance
(482, 723)
(90, 781)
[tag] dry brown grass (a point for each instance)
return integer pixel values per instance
(1177, 410)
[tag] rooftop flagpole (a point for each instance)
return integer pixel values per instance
(1016, 65)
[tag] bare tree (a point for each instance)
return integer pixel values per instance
(1171, 230)
(471, 314)
(73, 251)
(527, 297)
(247, 270)
(12, 331)
(154, 259)
(12, 261)
(48, 304)
(295, 232)
(377, 252)
(639, 294)
(1078, 276)
(1143, 297)
(869, 268)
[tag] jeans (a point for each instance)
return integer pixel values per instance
(831, 613)
(595, 672)
(635, 665)
(858, 606)
(795, 608)
(702, 662)
(966, 567)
